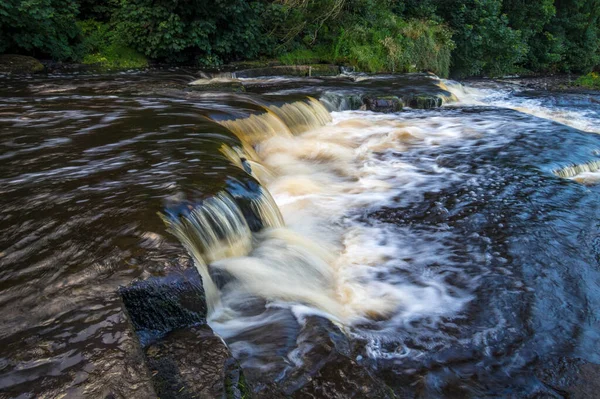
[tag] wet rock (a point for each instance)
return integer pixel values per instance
(238, 65)
(184, 358)
(19, 64)
(572, 378)
(161, 304)
(384, 104)
(425, 101)
(194, 363)
(329, 368)
(217, 84)
(290, 70)
(323, 70)
(282, 70)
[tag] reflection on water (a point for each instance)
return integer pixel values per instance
(451, 242)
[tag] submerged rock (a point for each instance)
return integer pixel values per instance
(572, 378)
(19, 64)
(385, 104)
(217, 84)
(326, 368)
(185, 359)
(194, 363)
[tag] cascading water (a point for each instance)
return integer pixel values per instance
(447, 252)
(324, 259)
(327, 259)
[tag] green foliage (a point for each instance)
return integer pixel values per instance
(485, 43)
(97, 10)
(531, 18)
(366, 34)
(590, 81)
(177, 30)
(118, 57)
(467, 37)
(577, 28)
(394, 45)
(101, 46)
(304, 56)
(39, 27)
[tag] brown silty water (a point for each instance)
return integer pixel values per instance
(421, 236)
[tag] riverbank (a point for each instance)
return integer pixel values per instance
(16, 65)
(552, 83)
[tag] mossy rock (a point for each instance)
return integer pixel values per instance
(218, 84)
(384, 104)
(237, 65)
(425, 101)
(323, 70)
(19, 64)
(282, 70)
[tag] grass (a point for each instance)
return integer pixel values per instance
(304, 56)
(589, 81)
(117, 57)
(395, 46)
(101, 47)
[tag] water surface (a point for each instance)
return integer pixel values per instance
(445, 240)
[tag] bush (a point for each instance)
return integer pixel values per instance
(371, 38)
(176, 30)
(116, 56)
(590, 81)
(101, 46)
(39, 28)
(485, 43)
(577, 27)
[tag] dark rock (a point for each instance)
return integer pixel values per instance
(385, 104)
(572, 378)
(184, 357)
(194, 363)
(161, 304)
(329, 368)
(217, 84)
(19, 64)
(425, 101)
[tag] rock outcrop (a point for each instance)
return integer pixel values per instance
(19, 64)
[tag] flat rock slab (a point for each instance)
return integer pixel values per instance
(217, 84)
(290, 70)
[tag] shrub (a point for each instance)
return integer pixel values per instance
(177, 30)
(485, 43)
(101, 46)
(39, 27)
(590, 81)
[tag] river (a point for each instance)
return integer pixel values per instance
(460, 246)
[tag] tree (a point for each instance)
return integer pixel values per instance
(485, 43)
(39, 27)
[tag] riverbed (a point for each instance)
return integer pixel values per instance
(455, 250)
